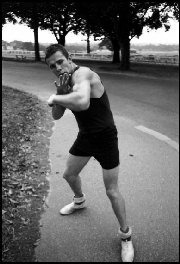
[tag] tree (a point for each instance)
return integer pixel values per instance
(7, 14)
(90, 19)
(28, 13)
(107, 43)
(120, 21)
(152, 15)
(58, 17)
(97, 15)
(175, 9)
(85, 30)
(28, 46)
(85, 24)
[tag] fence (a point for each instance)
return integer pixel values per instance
(157, 59)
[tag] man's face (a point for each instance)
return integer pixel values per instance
(59, 64)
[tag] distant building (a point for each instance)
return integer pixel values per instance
(4, 45)
(10, 48)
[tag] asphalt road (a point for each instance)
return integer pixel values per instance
(149, 174)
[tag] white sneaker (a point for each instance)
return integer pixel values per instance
(78, 203)
(127, 249)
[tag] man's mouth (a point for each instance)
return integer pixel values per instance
(61, 73)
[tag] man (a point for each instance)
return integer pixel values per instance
(81, 90)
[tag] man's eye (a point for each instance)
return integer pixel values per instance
(52, 66)
(59, 62)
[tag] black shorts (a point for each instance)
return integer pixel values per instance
(103, 146)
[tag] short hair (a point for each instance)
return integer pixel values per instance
(53, 48)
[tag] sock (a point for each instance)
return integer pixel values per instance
(126, 239)
(79, 202)
(78, 196)
(126, 231)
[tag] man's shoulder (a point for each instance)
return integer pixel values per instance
(84, 69)
(84, 72)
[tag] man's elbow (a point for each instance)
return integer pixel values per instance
(84, 105)
(81, 103)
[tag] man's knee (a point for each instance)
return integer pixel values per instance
(112, 193)
(68, 174)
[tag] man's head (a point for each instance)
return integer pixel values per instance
(54, 48)
(58, 60)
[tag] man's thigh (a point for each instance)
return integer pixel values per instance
(75, 164)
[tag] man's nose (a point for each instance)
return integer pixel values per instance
(58, 67)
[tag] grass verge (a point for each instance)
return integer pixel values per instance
(26, 128)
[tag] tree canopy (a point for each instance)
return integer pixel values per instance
(119, 21)
(59, 18)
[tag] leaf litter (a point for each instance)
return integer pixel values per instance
(26, 128)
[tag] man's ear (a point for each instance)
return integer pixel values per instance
(70, 57)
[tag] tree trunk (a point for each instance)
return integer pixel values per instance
(35, 29)
(116, 49)
(36, 44)
(125, 54)
(62, 40)
(122, 30)
(88, 44)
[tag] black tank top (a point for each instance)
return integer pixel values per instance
(97, 117)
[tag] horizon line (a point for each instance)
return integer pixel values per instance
(142, 43)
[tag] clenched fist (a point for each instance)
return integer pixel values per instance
(51, 100)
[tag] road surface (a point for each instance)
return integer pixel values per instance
(146, 114)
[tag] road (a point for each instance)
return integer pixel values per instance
(146, 114)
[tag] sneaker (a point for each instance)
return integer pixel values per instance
(127, 249)
(78, 203)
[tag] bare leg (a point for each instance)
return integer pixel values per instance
(73, 167)
(110, 178)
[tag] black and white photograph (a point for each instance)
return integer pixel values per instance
(90, 131)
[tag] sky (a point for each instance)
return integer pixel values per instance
(23, 33)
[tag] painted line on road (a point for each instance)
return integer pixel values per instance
(159, 136)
